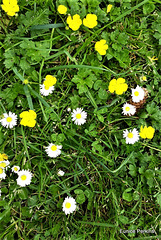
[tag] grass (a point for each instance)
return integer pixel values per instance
(116, 185)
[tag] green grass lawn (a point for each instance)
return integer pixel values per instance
(116, 185)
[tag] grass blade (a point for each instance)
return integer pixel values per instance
(80, 66)
(47, 26)
(29, 99)
(43, 101)
(98, 224)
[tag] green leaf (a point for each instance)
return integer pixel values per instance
(159, 199)
(122, 38)
(132, 170)
(149, 173)
(56, 229)
(24, 64)
(5, 214)
(100, 117)
(148, 8)
(89, 194)
(32, 201)
(54, 189)
(23, 193)
(126, 195)
(92, 126)
(37, 237)
(53, 137)
(3, 203)
(82, 89)
(123, 219)
(80, 198)
(102, 93)
(97, 84)
(61, 137)
(26, 212)
(78, 191)
(2, 137)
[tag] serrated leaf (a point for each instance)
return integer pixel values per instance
(132, 170)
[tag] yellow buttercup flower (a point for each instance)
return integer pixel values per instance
(143, 78)
(147, 132)
(119, 86)
(10, 7)
(154, 58)
(25, 81)
(74, 22)
(28, 118)
(62, 9)
(49, 81)
(143, 132)
(3, 157)
(101, 47)
(90, 21)
(109, 6)
(112, 85)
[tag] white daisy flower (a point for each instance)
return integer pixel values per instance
(137, 94)
(128, 109)
(79, 116)
(2, 173)
(53, 150)
(45, 91)
(69, 205)
(9, 120)
(4, 164)
(24, 178)
(60, 173)
(15, 169)
(131, 136)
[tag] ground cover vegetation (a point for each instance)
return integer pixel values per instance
(80, 119)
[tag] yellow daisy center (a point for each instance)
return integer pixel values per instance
(1, 170)
(3, 164)
(78, 115)
(68, 205)
(23, 177)
(54, 148)
(127, 109)
(144, 78)
(15, 168)
(9, 119)
(47, 87)
(130, 135)
(136, 93)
